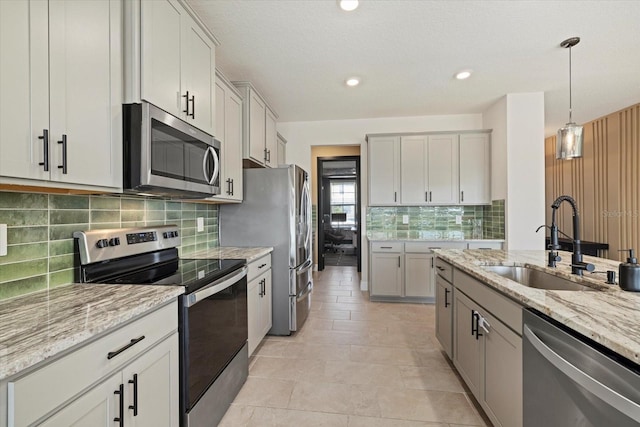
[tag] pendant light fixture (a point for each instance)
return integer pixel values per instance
(570, 138)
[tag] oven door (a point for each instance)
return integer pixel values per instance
(213, 326)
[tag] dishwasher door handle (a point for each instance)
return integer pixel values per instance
(595, 387)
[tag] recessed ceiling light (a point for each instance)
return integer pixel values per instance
(352, 81)
(348, 5)
(465, 74)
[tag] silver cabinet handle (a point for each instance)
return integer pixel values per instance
(601, 391)
(484, 325)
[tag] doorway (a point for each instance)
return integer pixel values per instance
(339, 216)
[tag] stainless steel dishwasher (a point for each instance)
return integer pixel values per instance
(570, 380)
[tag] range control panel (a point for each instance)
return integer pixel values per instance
(101, 245)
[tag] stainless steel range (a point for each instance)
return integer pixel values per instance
(212, 313)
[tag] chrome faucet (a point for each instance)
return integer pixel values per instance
(577, 265)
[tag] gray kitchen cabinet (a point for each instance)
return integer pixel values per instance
(418, 274)
(487, 344)
(444, 314)
(429, 169)
(229, 131)
(475, 169)
(177, 61)
(259, 303)
(386, 274)
(467, 346)
(139, 361)
(259, 134)
(61, 121)
(384, 170)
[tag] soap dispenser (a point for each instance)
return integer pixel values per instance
(629, 273)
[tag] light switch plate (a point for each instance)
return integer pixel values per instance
(200, 224)
(405, 219)
(3, 239)
(458, 219)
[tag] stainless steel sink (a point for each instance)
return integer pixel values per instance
(536, 279)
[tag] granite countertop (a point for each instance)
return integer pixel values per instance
(37, 326)
(423, 236)
(609, 316)
(231, 252)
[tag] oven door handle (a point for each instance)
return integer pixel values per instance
(214, 288)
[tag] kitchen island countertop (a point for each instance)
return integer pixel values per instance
(609, 316)
(40, 325)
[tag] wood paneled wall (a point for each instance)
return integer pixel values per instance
(605, 182)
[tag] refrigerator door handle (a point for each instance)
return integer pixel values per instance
(304, 267)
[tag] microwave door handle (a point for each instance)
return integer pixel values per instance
(216, 165)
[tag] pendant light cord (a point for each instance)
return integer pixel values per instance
(570, 104)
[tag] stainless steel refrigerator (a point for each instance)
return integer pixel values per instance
(276, 211)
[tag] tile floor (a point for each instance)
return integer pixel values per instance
(354, 364)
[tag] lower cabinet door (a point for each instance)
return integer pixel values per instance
(386, 274)
(266, 321)
(151, 387)
(467, 349)
(444, 315)
(418, 274)
(96, 408)
(503, 374)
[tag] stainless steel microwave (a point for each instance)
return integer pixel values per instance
(166, 156)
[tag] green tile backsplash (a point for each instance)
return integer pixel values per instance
(478, 222)
(40, 252)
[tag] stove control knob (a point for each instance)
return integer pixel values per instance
(102, 243)
(165, 235)
(114, 242)
(175, 234)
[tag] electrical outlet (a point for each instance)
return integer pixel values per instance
(200, 224)
(3, 239)
(405, 219)
(458, 219)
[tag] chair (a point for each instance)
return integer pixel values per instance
(332, 237)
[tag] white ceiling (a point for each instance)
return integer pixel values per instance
(299, 52)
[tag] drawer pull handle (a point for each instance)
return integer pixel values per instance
(120, 393)
(440, 268)
(133, 342)
(386, 247)
(134, 381)
(262, 266)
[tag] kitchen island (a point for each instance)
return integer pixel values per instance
(609, 315)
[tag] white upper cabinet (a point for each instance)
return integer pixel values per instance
(177, 62)
(443, 169)
(384, 170)
(429, 169)
(61, 93)
(282, 150)
(229, 131)
(259, 133)
(475, 169)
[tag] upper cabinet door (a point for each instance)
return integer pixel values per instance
(233, 144)
(161, 34)
(475, 172)
(24, 88)
(413, 165)
(199, 70)
(271, 140)
(384, 171)
(257, 127)
(443, 169)
(86, 91)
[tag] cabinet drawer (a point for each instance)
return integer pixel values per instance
(426, 247)
(258, 267)
(509, 312)
(387, 247)
(444, 269)
(485, 245)
(38, 393)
